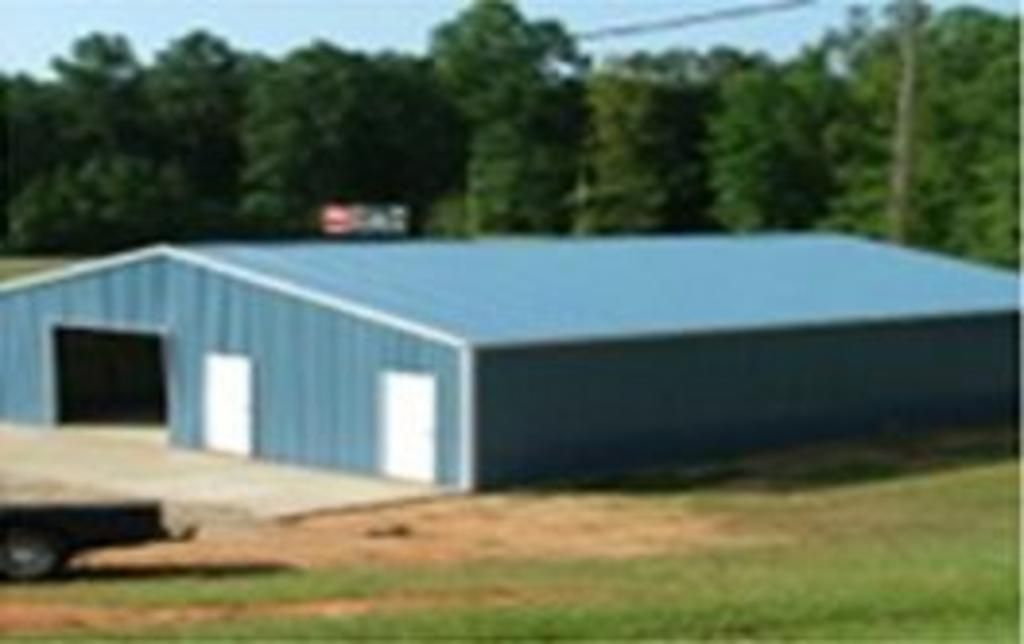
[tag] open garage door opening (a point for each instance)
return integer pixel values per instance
(110, 378)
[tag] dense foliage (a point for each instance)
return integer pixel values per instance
(506, 127)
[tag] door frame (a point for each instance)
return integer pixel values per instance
(253, 447)
(382, 424)
(50, 370)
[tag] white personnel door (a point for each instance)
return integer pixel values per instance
(228, 403)
(409, 426)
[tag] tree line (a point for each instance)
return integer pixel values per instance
(505, 126)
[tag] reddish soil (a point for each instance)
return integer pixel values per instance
(445, 531)
(19, 617)
(428, 533)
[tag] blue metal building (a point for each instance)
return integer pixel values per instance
(480, 364)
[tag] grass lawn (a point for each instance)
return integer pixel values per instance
(903, 539)
(11, 267)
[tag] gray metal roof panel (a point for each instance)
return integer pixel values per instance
(516, 291)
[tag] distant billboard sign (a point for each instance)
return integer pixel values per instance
(337, 219)
(364, 219)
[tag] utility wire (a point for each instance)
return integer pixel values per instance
(682, 22)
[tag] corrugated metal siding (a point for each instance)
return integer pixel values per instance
(576, 410)
(128, 297)
(316, 372)
(316, 369)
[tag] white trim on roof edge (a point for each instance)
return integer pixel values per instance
(245, 275)
(81, 268)
(333, 302)
(430, 333)
(670, 334)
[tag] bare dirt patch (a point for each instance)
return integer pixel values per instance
(26, 617)
(439, 532)
(37, 618)
(449, 530)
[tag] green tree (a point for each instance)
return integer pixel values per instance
(196, 88)
(647, 167)
(5, 155)
(516, 82)
(105, 204)
(624, 154)
(862, 134)
(35, 139)
(964, 195)
(84, 172)
(501, 128)
(421, 138)
(328, 125)
(771, 165)
(103, 106)
(969, 194)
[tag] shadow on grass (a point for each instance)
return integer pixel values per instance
(171, 572)
(882, 456)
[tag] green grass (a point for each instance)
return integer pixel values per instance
(904, 540)
(11, 267)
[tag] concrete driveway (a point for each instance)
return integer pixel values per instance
(136, 463)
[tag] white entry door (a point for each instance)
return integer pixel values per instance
(409, 426)
(228, 404)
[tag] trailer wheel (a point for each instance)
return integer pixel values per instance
(30, 554)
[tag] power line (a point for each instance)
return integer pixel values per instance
(682, 22)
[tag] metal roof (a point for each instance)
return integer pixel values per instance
(499, 292)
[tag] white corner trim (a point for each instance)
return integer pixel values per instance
(82, 268)
(467, 420)
(329, 301)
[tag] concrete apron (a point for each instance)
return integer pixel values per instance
(198, 487)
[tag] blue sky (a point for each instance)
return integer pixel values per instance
(32, 32)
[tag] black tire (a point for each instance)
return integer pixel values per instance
(29, 554)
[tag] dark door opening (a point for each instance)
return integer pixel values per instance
(110, 378)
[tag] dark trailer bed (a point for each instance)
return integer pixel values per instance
(39, 539)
